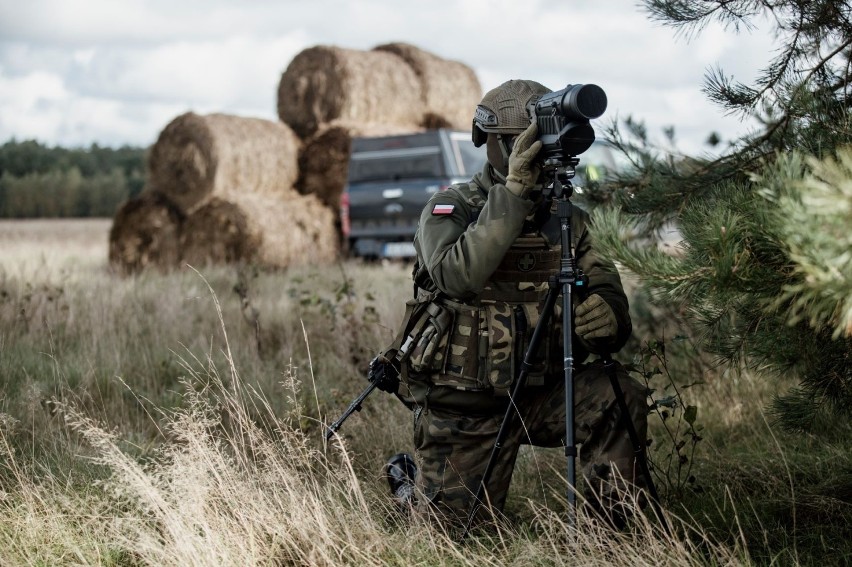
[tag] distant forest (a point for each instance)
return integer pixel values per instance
(41, 181)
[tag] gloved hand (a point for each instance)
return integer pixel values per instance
(523, 169)
(595, 319)
(384, 374)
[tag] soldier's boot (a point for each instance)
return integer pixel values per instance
(602, 499)
(614, 502)
(611, 514)
(400, 471)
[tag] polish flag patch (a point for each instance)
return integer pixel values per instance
(443, 209)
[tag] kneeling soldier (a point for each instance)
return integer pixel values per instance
(485, 252)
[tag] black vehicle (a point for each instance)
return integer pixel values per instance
(392, 177)
(390, 180)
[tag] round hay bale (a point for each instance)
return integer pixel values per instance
(324, 158)
(199, 156)
(326, 83)
(450, 89)
(145, 233)
(264, 230)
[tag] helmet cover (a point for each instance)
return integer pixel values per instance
(504, 109)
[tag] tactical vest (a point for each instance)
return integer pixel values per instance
(478, 345)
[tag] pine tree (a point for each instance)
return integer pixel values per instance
(766, 261)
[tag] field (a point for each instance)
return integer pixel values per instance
(177, 419)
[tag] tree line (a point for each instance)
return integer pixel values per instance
(37, 180)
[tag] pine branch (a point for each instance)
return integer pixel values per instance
(817, 213)
(765, 266)
(692, 17)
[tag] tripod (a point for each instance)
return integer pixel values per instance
(565, 281)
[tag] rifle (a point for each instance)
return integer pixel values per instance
(382, 375)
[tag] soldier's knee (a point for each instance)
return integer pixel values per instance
(635, 396)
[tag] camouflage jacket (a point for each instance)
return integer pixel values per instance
(490, 253)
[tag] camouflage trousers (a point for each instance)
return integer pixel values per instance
(452, 448)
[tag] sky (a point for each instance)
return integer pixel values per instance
(115, 72)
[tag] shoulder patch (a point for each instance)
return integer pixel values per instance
(443, 209)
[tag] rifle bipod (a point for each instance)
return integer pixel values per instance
(382, 375)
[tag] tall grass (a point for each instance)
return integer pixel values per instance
(234, 483)
(178, 418)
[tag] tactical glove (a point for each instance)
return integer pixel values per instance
(383, 373)
(523, 169)
(595, 319)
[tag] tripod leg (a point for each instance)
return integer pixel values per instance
(526, 366)
(639, 451)
(568, 374)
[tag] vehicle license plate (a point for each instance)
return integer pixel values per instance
(399, 250)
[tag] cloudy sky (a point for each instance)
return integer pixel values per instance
(117, 71)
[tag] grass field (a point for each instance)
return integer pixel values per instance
(177, 419)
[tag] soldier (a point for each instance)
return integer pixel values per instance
(485, 252)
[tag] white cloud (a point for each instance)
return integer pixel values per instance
(112, 72)
(233, 72)
(38, 106)
(106, 22)
(24, 102)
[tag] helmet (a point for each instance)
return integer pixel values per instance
(503, 109)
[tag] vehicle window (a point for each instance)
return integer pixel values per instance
(395, 164)
(469, 158)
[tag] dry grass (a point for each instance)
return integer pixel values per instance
(145, 233)
(163, 419)
(326, 83)
(233, 483)
(33, 248)
(449, 89)
(252, 228)
(197, 157)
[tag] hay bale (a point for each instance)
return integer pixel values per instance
(324, 158)
(264, 230)
(145, 233)
(450, 89)
(325, 83)
(197, 157)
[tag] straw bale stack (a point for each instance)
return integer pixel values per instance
(145, 233)
(197, 157)
(450, 90)
(324, 158)
(265, 230)
(326, 83)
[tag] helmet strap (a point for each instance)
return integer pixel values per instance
(499, 177)
(503, 142)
